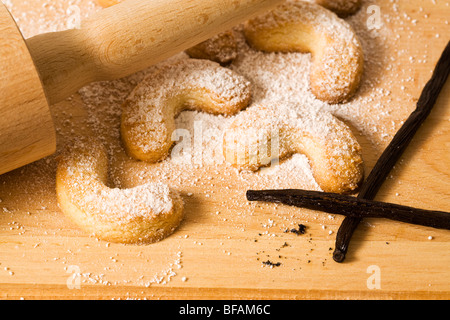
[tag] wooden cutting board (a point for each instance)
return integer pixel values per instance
(221, 249)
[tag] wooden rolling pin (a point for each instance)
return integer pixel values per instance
(116, 42)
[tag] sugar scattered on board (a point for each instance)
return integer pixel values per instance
(273, 76)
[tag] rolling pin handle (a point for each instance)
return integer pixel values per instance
(131, 36)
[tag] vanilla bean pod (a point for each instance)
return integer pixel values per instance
(395, 149)
(387, 161)
(352, 207)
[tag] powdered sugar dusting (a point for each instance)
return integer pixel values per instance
(307, 27)
(175, 78)
(150, 109)
(388, 88)
(84, 171)
(309, 14)
(274, 77)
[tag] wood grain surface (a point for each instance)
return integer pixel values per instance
(220, 248)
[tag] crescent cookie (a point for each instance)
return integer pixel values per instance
(337, 55)
(143, 214)
(148, 117)
(261, 133)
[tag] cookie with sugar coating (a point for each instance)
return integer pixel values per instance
(149, 112)
(143, 214)
(337, 55)
(264, 132)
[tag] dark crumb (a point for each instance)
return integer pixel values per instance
(387, 242)
(271, 264)
(301, 229)
(285, 245)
